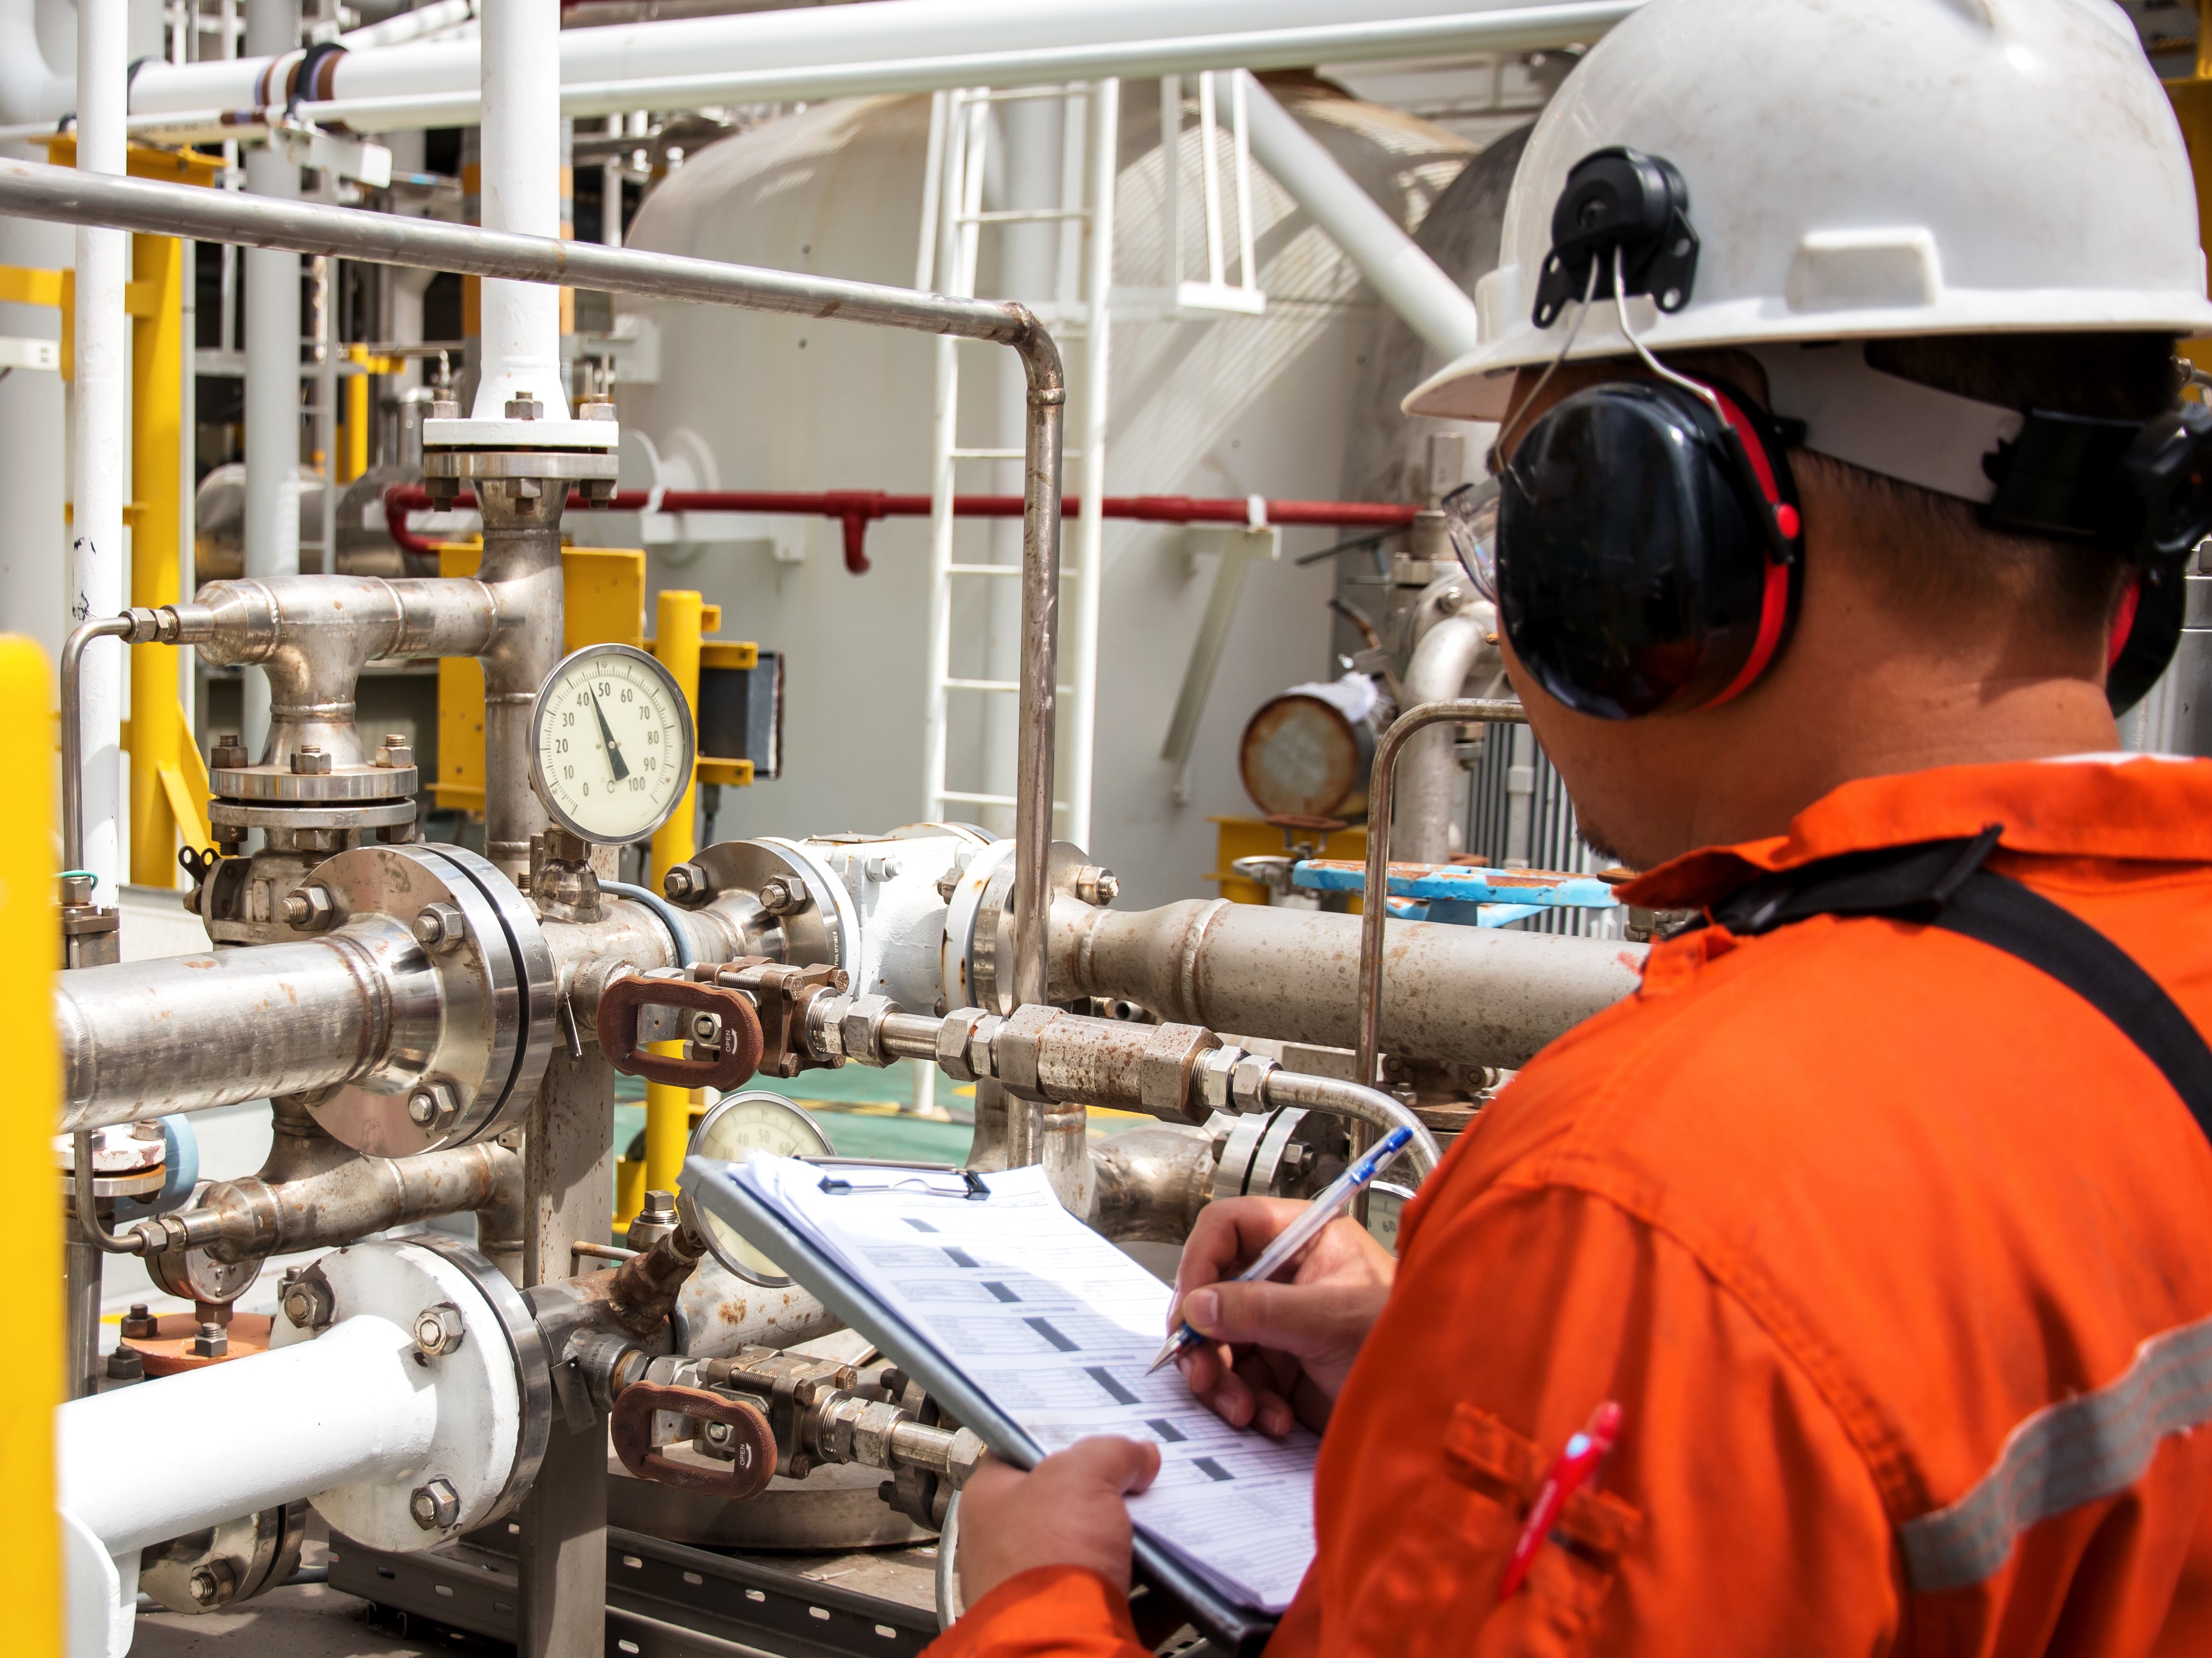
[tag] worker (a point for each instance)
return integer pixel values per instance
(1842, 489)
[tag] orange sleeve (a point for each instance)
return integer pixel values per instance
(1735, 1513)
(1048, 1611)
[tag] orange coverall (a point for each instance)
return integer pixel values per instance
(1898, 1254)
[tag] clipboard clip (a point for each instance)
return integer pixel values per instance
(935, 1182)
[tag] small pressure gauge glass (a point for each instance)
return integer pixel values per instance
(611, 745)
(752, 1120)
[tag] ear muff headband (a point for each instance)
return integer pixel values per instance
(1649, 550)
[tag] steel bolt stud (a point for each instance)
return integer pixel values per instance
(439, 926)
(310, 909)
(306, 1302)
(310, 761)
(438, 1329)
(431, 1104)
(685, 880)
(213, 1342)
(226, 752)
(212, 1584)
(523, 406)
(1097, 887)
(124, 1364)
(780, 896)
(435, 1506)
(138, 1324)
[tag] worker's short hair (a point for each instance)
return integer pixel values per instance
(1932, 558)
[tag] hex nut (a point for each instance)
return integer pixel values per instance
(1212, 1080)
(431, 1104)
(436, 1505)
(1097, 887)
(310, 909)
(707, 1028)
(953, 1037)
(595, 408)
(139, 1323)
(780, 895)
(523, 406)
(1247, 1082)
(686, 881)
(309, 761)
(1170, 1061)
(439, 927)
(212, 1584)
(395, 750)
(862, 1027)
(438, 1329)
(226, 752)
(308, 1303)
(213, 1342)
(964, 1456)
(124, 1364)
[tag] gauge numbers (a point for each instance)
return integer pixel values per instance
(611, 741)
(754, 1120)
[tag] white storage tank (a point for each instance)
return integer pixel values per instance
(1215, 404)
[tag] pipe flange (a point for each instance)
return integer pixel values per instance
(474, 1017)
(344, 782)
(991, 938)
(213, 1569)
(822, 929)
(575, 465)
(494, 1390)
(373, 815)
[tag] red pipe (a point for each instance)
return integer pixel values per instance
(857, 509)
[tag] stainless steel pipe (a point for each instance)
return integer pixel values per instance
(108, 627)
(1369, 1107)
(1376, 908)
(1468, 995)
(30, 190)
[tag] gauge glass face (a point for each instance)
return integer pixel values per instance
(613, 743)
(755, 1120)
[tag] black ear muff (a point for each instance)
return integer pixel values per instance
(1649, 548)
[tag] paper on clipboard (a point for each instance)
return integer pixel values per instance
(1055, 1326)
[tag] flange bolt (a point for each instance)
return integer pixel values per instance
(437, 926)
(435, 1506)
(780, 895)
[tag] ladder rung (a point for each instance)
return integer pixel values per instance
(1065, 574)
(1023, 95)
(1023, 215)
(989, 454)
(996, 684)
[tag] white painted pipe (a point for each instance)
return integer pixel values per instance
(403, 26)
(522, 192)
(272, 369)
(1428, 776)
(1408, 280)
(812, 52)
(99, 570)
(29, 90)
(166, 1457)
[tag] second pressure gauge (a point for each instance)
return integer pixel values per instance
(611, 744)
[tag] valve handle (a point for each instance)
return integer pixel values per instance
(751, 1438)
(741, 1042)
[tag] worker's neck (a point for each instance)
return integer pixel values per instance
(1890, 718)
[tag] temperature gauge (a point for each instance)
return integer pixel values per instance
(611, 744)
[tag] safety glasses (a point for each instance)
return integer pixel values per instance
(1471, 521)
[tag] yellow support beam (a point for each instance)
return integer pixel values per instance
(2192, 108)
(160, 816)
(680, 618)
(20, 286)
(30, 1556)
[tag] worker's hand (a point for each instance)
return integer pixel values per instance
(1069, 1511)
(1280, 1351)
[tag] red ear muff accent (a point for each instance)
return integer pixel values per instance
(2124, 624)
(1778, 604)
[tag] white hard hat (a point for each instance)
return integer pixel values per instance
(1858, 169)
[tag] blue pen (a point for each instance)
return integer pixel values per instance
(1301, 1231)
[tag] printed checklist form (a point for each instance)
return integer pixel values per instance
(1053, 1327)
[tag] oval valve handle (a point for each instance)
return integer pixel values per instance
(616, 1023)
(751, 1438)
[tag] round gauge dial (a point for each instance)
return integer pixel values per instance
(752, 1120)
(611, 745)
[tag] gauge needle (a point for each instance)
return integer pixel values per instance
(606, 736)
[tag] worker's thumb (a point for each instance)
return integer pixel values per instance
(1122, 1466)
(1307, 1321)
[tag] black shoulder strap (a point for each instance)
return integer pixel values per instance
(1944, 884)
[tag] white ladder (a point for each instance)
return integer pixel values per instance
(953, 221)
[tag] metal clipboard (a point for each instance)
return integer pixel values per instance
(1234, 1628)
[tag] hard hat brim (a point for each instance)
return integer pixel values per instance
(1479, 385)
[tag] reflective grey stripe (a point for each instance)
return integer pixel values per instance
(2065, 1456)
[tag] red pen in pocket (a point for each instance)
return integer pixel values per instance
(1579, 1460)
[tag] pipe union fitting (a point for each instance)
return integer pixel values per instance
(1171, 1056)
(861, 1028)
(954, 1037)
(1212, 1082)
(1247, 1082)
